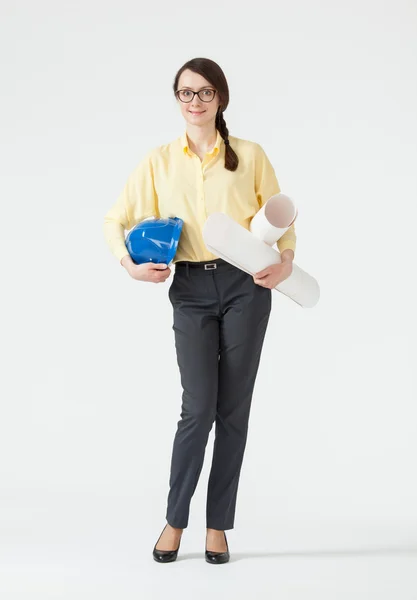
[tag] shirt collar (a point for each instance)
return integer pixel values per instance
(185, 147)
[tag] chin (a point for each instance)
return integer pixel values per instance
(197, 120)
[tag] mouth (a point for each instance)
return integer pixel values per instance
(196, 112)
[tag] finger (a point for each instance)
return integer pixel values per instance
(263, 273)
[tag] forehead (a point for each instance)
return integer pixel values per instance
(192, 80)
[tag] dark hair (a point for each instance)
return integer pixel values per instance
(214, 74)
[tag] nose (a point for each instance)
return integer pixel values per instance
(196, 100)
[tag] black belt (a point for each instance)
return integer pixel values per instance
(205, 264)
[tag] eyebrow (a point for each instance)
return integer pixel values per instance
(185, 87)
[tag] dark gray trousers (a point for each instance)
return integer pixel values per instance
(220, 316)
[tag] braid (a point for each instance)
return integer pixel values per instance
(231, 160)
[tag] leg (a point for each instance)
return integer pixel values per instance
(196, 327)
(243, 327)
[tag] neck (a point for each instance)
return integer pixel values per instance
(201, 138)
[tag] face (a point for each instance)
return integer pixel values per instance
(197, 112)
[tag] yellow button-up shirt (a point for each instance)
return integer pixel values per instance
(172, 181)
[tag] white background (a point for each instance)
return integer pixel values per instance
(327, 503)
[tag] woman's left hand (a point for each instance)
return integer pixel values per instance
(274, 274)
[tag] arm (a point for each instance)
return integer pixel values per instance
(287, 243)
(137, 201)
(266, 185)
(287, 254)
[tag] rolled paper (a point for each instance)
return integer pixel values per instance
(274, 218)
(238, 246)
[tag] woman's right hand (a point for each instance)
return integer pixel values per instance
(155, 273)
(152, 272)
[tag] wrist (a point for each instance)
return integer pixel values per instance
(127, 262)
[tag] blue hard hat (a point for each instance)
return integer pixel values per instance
(154, 240)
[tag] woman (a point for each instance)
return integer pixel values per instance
(220, 313)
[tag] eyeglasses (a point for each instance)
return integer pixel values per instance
(206, 95)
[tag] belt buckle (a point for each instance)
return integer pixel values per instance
(210, 266)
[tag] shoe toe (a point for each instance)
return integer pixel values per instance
(217, 558)
(164, 555)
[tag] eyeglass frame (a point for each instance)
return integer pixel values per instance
(194, 93)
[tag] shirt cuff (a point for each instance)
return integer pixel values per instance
(120, 252)
(286, 245)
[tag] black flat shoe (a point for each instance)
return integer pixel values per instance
(164, 556)
(217, 558)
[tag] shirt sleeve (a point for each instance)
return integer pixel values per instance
(266, 185)
(137, 201)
